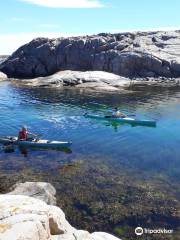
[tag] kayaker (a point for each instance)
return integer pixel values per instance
(117, 114)
(24, 134)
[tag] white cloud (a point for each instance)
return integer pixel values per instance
(66, 3)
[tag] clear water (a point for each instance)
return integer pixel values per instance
(144, 152)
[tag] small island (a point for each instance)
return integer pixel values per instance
(102, 62)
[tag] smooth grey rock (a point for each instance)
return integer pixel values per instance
(128, 54)
(96, 80)
(40, 190)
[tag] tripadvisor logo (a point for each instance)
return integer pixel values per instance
(140, 231)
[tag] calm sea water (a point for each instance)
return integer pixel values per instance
(143, 151)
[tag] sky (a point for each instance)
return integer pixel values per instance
(23, 20)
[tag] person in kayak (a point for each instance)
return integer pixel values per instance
(117, 114)
(24, 134)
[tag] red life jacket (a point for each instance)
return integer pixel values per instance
(23, 135)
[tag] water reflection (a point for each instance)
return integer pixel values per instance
(25, 150)
(117, 126)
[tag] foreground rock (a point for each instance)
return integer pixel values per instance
(3, 76)
(95, 80)
(139, 54)
(27, 218)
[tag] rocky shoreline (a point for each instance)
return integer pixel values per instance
(109, 62)
(133, 55)
(30, 206)
(98, 81)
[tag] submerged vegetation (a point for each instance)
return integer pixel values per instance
(96, 197)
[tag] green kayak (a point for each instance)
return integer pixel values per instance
(129, 120)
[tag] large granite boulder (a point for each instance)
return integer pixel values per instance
(95, 80)
(27, 218)
(140, 54)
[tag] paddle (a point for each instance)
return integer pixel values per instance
(37, 136)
